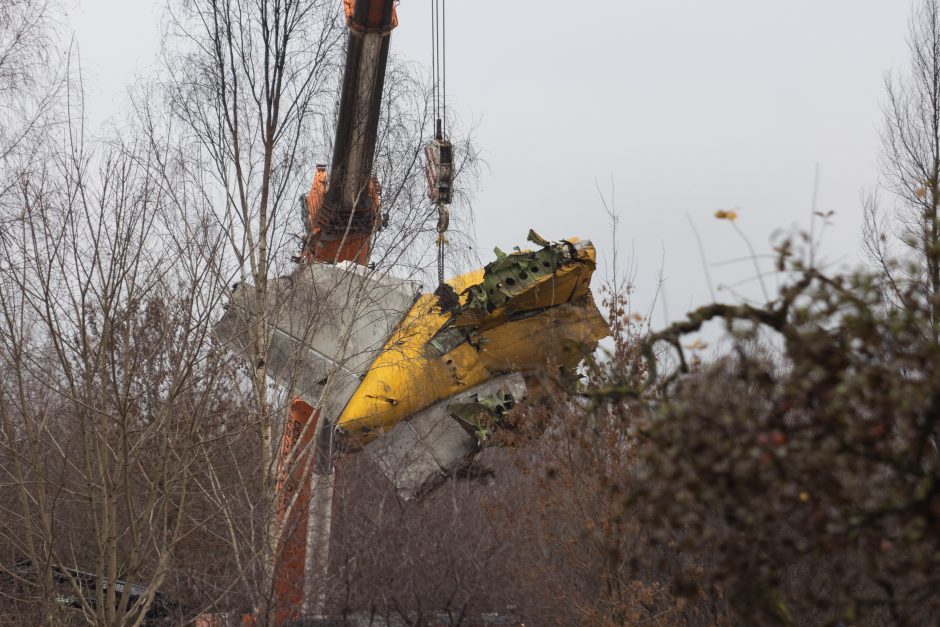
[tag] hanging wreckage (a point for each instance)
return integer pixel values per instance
(376, 364)
(421, 387)
(419, 381)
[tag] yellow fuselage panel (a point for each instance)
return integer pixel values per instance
(404, 379)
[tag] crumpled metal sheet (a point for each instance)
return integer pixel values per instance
(327, 324)
(485, 411)
(435, 443)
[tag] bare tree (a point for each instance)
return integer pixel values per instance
(111, 380)
(911, 166)
(29, 89)
(251, 90)
(249, 86)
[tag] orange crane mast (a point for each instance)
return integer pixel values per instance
(341, 211)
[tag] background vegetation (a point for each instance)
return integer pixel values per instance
(791, 478)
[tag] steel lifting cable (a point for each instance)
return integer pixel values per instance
(437, 50)
(439, 61)
(433, 59)
(439, 98)
(444, 63)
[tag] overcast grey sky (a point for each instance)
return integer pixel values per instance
(687, 106)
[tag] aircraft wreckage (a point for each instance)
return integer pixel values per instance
(420, 385)
(420, 381)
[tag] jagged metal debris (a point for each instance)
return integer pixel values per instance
(439, 441)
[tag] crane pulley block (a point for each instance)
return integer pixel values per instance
(439, 170)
